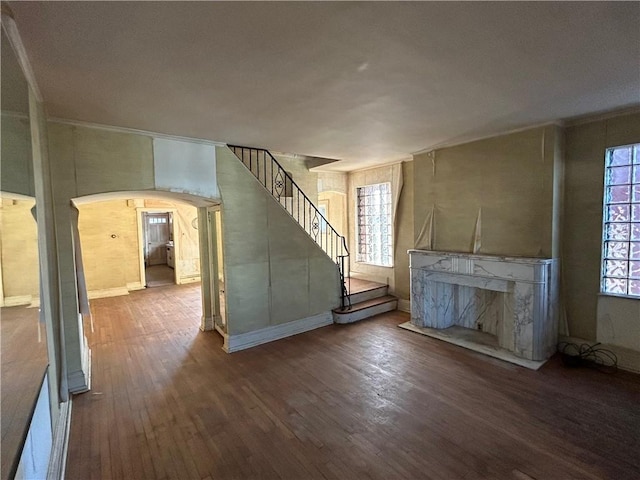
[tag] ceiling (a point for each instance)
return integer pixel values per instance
(366, 83)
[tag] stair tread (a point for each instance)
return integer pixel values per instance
(357, 285)
(366, 304)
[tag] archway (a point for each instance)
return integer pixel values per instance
(110, 230)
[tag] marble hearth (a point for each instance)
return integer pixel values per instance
(512, 299)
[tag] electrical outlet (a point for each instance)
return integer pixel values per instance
(480, 326)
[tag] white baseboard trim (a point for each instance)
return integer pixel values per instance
(135, 286)
(627, 359)
(18, 300)
(58, 459)
(242, 341)
(108, 292)
(185, 280)
(404, 305)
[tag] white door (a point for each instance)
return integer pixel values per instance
(156, 228)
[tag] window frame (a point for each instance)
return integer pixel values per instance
(357, 227)
(606, 204)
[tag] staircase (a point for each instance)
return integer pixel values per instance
(277, 181)
(365, 299)
(360, 299)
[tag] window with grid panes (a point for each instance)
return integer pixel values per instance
(375, 229)
(621, 226)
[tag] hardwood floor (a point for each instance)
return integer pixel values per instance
(24, 361)
(365, 400)
(159, 275)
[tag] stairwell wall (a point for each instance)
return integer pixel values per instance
(275, 273)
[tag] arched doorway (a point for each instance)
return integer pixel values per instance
(116, 251)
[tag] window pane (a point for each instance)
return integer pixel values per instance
(619, 231)
(615, 285)
(634, 287)
(374, 221)
(618, 175)
(621, 194)
(621, 245)
(618, 213)
(620, 156)
(616, 250)
(615, 268)
(634, 269)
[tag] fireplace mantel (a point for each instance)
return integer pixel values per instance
(513, 298)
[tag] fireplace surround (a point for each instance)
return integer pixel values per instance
(514, 299)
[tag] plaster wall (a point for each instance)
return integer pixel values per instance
(513, 180)
(16, 170)
(110, 244)
(333, 182)
(185, 167)
(336, 207)
(274, 273)
(109, 262)
(19, 252)
(590, 315)
(306, 180)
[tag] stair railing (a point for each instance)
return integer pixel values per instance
(276, 180)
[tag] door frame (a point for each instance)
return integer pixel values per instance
(140, 211)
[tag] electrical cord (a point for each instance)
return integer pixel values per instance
(585, 355)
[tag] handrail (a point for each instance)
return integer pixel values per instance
(282, 185)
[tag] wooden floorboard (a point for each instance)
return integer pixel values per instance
(367, 400)
(23, 363)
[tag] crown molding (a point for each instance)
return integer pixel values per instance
(135, 131)
(589, 118)
(456, 143)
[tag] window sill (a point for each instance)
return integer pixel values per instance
(619, 295)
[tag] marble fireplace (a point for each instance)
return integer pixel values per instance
(512, 299)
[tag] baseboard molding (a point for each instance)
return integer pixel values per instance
(18, 300)
(627, 359)
(108, 292)
(185, 280)
(242, 341)
(404, 305)
(58, 459)
(135, 286)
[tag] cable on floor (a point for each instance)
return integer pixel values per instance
(585, 355)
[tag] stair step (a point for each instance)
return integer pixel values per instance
(366, 309)
(372, 293)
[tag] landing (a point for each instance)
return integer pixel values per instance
(357, 285)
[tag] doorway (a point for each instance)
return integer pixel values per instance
(159, 249)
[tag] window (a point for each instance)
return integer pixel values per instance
(621, 222)
(375, 229)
